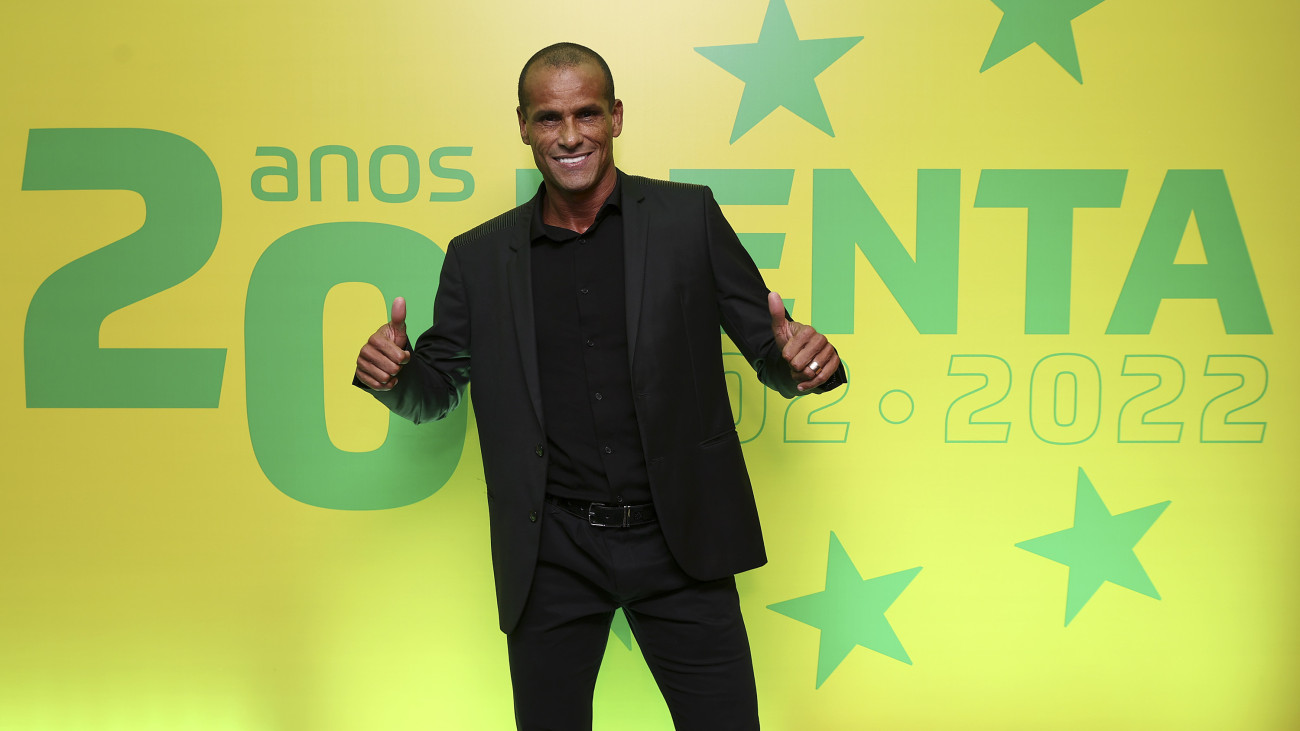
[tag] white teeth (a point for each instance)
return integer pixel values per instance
(567, 160)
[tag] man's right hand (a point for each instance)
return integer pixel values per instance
(383, 356)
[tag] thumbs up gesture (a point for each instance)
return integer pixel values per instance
(810, 356)
(383, 356)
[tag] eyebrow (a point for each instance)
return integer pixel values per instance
(541, 112)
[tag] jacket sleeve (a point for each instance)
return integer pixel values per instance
(433, 382)
(742, 305)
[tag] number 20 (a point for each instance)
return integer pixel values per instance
(282, 325)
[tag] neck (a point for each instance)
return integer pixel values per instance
(577, 211)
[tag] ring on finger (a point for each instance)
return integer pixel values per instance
(813, 366)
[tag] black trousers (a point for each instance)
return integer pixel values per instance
(690, 632)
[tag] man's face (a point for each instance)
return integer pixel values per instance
(570, 126)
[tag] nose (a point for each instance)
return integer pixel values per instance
(569, 137)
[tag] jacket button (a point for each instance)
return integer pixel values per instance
(532, 517)
(539, 450)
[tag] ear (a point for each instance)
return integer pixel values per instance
(617, 114)
(523, 125)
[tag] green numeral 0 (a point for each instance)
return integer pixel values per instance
(286, 403)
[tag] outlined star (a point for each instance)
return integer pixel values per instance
(1045, 22)
(851, 611)
(1099, 548)
(779, 71)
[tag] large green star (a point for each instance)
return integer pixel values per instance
(779, 71)
(1099, 548)
(850, 611)
(1045, 22)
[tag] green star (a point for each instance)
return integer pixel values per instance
(621, 629)
(779, 71)
(850, 611)
(1099, 548)
(1045, 22)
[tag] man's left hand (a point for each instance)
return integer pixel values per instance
(811, 357)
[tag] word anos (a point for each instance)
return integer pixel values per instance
(288, 171)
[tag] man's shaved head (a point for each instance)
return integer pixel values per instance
(567, 55)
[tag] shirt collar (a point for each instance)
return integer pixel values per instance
(538, 230)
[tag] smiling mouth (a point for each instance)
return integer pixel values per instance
(573, 160)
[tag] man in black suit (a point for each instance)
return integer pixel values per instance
(589, 317)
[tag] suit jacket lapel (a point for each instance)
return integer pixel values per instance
(519, 277)
(636, 233)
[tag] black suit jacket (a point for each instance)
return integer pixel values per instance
(687, 273)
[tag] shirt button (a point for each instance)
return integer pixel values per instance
(599, 395)
(532, 517)
(582, 241)
(539, 450)
(591, 343)
(584, 290)
(609, 450)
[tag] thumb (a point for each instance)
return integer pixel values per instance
(780, 325)
(397, 323)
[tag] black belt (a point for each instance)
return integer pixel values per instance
(605, 516)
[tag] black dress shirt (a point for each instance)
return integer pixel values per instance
(580, 311)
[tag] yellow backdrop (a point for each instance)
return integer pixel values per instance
(1050, 237)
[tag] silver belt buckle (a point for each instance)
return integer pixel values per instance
(591, 515)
